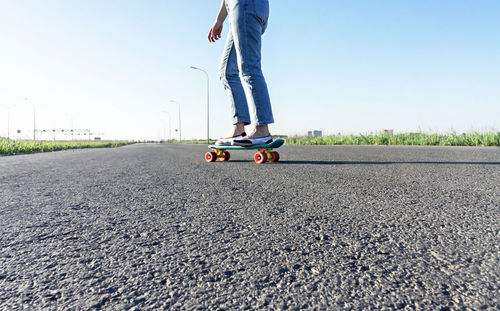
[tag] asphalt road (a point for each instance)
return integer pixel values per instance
(340, 227)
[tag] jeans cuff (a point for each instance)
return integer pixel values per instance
(235, 120)
(264, 122)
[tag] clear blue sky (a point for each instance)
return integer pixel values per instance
(339, 66)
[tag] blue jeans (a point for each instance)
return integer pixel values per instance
(240, 70)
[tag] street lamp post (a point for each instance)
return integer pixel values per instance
(8, 124)
(180, 136)
(8, 119)
(34, 122)
(34, 119)
(208, 102)
(169, 125)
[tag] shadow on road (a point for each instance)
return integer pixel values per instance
(384, 162)
(302, 162)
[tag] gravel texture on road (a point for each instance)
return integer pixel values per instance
(328, 227)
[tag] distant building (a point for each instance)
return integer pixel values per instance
(315, 133)
(389, 132)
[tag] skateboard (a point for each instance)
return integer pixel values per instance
(265, 153)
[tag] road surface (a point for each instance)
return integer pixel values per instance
(328, 227)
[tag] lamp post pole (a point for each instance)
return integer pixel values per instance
(34, 119)
(180, 136)
(169, 125)
(208, 102)
(9, 108)
(34, 122)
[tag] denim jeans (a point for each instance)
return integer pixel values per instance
(240, 70)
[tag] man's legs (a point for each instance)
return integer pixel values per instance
(230, 78)
(247, 27)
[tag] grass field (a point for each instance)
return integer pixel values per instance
(418, 139)
(9, 146)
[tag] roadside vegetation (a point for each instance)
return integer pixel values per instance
(418, 139)
(9, 146)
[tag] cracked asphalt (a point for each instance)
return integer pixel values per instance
(328, 227)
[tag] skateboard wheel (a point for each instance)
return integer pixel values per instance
(225, 156)
(210, 156)
(275, 156)
(260, 157)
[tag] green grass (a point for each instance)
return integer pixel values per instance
(415, 139)
(9, 146)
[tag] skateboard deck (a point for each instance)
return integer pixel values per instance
(265, 153)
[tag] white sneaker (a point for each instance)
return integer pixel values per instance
(229, 140)
(247, 141)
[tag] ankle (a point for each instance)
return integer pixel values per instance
(236, 131)
(261, 130)
(239, 128)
